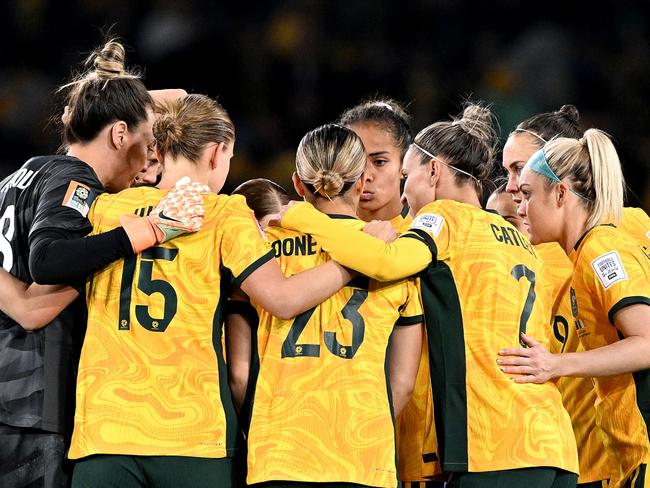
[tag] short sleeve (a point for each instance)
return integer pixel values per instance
(243, 247)
(431, 225)
(64, 200)
(411, 312)
(619, 277)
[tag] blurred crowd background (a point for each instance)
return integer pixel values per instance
(283, 67)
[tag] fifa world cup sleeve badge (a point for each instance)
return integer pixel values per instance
(78, 197)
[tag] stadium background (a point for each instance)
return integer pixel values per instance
(283, 67)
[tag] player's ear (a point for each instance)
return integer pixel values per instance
(561, 193)
(216, 154)
(358, 186)
(297, 184)
(434, 171)
(118, 134)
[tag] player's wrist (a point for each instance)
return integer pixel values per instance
(141, 231)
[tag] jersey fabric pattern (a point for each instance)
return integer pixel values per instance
(322, 405)
(152, 378)
(484, 421)
(578, 394)
(636, 224)
(417, 446)
(37, 369)
(611, 272)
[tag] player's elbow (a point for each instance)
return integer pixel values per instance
(32, 320)
(401, 392)
(238, 373)
(41, 272)
(282, 306)
(402, 386)
(389, 270)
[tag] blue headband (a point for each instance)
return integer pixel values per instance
(539, 164)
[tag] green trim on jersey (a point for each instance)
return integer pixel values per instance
(625, 302)
(416, 319)
(447, 363)
(253, 266)
(233, 437)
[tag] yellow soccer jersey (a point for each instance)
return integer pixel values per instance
(578, 394)
(636, 224)
(152, 378)
(321, 409)
(611, 272)
(402, 221)
(477, 297)
(417, 446)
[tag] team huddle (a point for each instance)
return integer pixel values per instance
(387, 330)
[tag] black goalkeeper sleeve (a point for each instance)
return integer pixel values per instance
(56, 259)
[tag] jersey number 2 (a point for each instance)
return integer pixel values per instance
(291, 348)
(149, 286)
(518, 272)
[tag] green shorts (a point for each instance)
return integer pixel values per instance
(525, 477)
(159, 471)
(303, 484)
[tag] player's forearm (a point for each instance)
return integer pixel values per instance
(358, 250)
(625, 356)
(55, 260)
(404, 362)
(35, 306)
(309, 288)
(44, 303)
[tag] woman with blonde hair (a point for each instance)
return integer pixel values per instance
(573, 194)
(322, 410)
(153, 404)
(478, 292)
(597, 462)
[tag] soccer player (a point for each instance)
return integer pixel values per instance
(478, 293)
(169, 319)
(152, 399)
(597, 462)
(572, 190)
(502, 203)
(384, 128)
(322, 401)
(43, 221)
(265, 198)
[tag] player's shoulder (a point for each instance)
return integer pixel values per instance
(221, 202)
(635, 214)
(348, 220)
(434, 216)
(604, 237)
(552, 254)
(274, 233)
(145, 195)
(64, 167)
(607, 247)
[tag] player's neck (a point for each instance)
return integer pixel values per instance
(463, 194)
(336, 206)
(572, 228)
(389, 211)
(176, 169)
(95, 155)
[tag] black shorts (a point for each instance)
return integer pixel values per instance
(32, 457)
